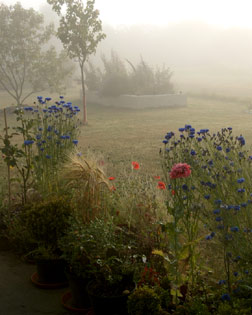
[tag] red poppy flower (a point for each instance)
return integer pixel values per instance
(180, 170)
(161, 185)
(111, 178)
(135, 165)
(156, 177)
(173, 192)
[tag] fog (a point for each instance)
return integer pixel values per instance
(204, 59)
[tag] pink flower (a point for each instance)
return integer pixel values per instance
(180, 170)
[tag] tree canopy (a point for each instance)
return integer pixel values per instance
(80, 31)
(26, 66)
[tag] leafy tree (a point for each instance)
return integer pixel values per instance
(80, 31)
(25, 66)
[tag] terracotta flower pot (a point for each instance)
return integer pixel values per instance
(51, 271)
(112, 305)
(78, 288)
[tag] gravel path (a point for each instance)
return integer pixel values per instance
(18, 295)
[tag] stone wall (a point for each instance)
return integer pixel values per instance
(139, 101)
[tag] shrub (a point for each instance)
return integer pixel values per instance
(144, 301)
(38, 227)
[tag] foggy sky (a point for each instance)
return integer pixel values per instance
(204, 58)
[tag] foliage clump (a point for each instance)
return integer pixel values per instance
(144, 301)
(38, 227)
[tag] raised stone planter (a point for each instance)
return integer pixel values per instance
(139, 101)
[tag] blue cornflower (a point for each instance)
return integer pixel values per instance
(191, 136)
(48, 98)
(222, 282)
(28, 142)
(237, 258)
(61, 96)
(218, 201)
(228, 150)
(181, 129)
(28, 108)
(234, 229)
(210, 162)
(192, 130)
(225, 297)
(250, 157)
(184, 187)
(199, 139)
(242, 140)
(241, 190)
(48, 156)
(235, 273)
(49, 128)
(240, 180)
(193, 152)
(44, 110)
(75, 142)
(219, 148)
(216, 211)
(244, 204)
(212, 234)
(237, 207)
(218, 219)
(207, 197)
(63, 137)
(38, 137)
(208, 237)
(188, 126)
(165, 141)
(246, 272)
(230, 207)
(230, 128)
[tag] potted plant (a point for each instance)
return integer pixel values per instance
(43, 224)
(96, 252)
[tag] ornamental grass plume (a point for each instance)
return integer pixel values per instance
(87, 182)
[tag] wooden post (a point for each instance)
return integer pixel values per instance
(8, 166)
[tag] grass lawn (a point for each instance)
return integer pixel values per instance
(125, 135)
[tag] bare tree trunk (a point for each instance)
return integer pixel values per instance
(83, 95)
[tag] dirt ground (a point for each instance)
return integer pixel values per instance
(18, 295)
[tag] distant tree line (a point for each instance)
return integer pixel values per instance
(118, 77)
